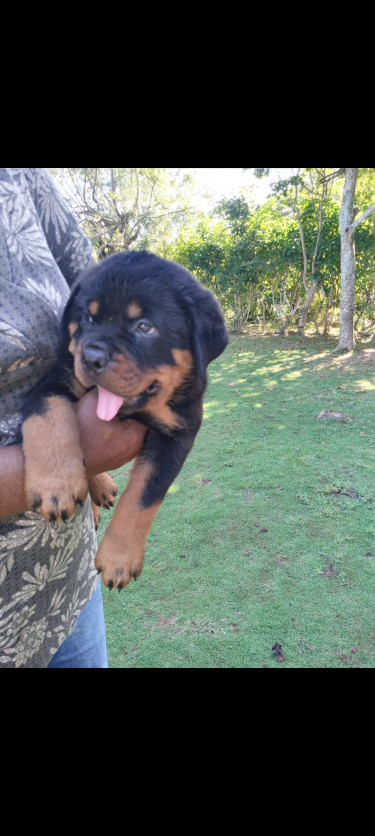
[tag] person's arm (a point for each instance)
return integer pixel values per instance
(12, 477)
(106, 445)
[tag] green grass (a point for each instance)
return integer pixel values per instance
(268, 534)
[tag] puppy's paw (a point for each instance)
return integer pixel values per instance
(55, 473)
(56, 498)
(117, 561)
(103, 490)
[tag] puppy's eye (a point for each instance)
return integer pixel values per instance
(145, 327)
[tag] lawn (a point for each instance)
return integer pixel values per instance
(267, 537)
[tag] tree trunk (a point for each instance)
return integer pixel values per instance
(305, 308)
(237, 311)
(347, 295)
(310, 291)
(263, 312)
(326, 313)
(246, 315)
(319, 309)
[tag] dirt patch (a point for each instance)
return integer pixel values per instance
(343, 492)
(329, 570)
(336, 416)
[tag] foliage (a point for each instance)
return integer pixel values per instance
(274, 262)
(254, 259)
(123, 208)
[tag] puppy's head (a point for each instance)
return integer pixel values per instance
(142, 328)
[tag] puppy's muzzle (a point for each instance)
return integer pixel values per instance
(95, 357)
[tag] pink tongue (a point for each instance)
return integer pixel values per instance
(108, 404)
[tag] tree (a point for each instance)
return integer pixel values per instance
(282, 259)
(347, 226)
(123, 208)
(275, 262)
(347, 295)
(306, 194)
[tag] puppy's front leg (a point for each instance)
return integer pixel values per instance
(121, 552)
(55, 474)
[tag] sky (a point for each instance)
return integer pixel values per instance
(226, 182)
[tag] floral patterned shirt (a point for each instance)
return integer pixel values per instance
(47, 572)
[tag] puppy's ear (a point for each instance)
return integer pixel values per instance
(209, 337)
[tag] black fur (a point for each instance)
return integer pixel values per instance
(185, 318)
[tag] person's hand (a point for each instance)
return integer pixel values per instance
(106, 445)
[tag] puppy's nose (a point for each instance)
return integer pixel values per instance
(95, 356)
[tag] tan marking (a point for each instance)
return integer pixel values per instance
(77, 388)
(72, 327)
(55, 476)
(124, 377)
(94, 307)
(133, 310)
(170, 378)
(121, 552)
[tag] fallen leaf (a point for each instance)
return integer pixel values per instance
(354, 649)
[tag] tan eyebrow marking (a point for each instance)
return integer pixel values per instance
(72, 327)
(94, 307)
(133, 310)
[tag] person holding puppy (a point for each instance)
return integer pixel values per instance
(51, 610)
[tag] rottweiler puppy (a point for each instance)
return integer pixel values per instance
(142, 330)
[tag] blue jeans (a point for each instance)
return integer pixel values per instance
(86, 646)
